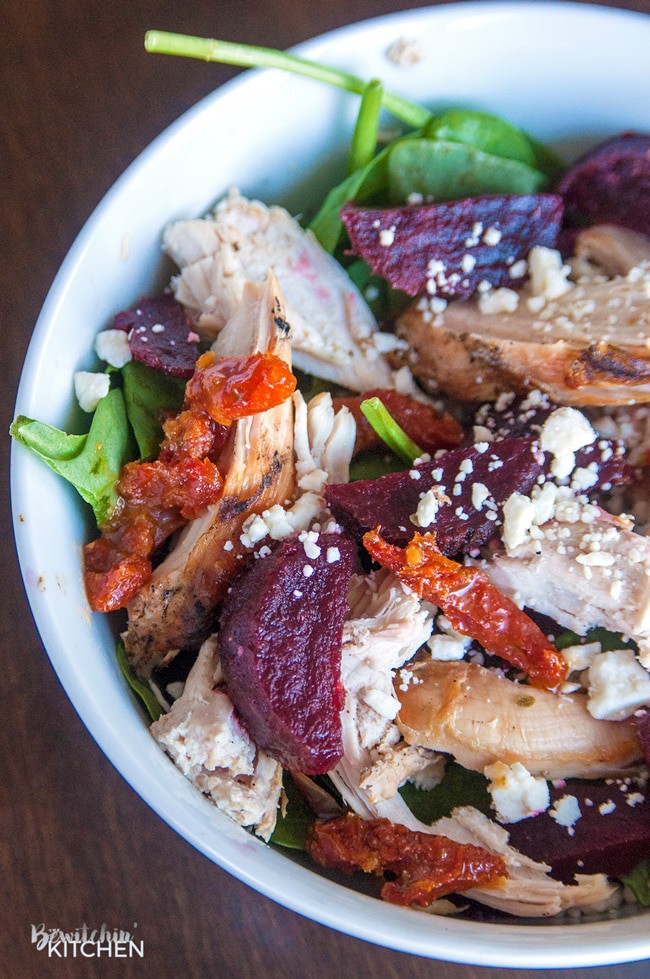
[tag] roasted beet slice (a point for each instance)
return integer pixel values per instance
(474, 484)
(610, 184)
(611, 837)
(160, 335)
(389, 502)
(643, 729)
(448, 249)
(280, 648)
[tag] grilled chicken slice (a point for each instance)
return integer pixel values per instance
(612, 249)
(588, 569)
(334, 334)
(590, 346)
(206, 741)
(175, 609)
(480, 718)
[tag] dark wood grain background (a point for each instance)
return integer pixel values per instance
(79, 100)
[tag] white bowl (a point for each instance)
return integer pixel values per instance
(564, 72)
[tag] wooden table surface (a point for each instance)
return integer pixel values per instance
(80, 100)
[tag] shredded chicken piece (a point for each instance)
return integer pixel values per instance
(334, 333)
(481, 718)
(323, 442)
(175, 608)
(529, 891)
(385, 627)
(612, 249)
(207, 743)
(585, 568)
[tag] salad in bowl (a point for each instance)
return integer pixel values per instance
(368, 484)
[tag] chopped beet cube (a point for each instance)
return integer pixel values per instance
(280, 649)
(474, 483)
(161, 335)
(611, 836)
(643, 729)
(610, 184)
(447, 249)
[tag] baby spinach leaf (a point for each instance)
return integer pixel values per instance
(445, 170)
(608, 640)
(459, 787)
(91, 462)
(141, 689)
(147, 394)
(638, 880)
(370, 465)
(292, 828)
(359, 186)
(483, 131)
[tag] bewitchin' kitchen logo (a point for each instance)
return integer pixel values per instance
(87, 943)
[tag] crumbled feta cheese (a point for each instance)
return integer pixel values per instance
(90, 388)
(581, 657)
(383, 703)
(548, 275)
(480, 493)
(332, 555)
(467, 264)
(499, 301)
(405, 52)
(112, 346)
(254, 529)
(492, 236)
(617, 685)
(387, 236)
(566, 811)
(518, 516)
(516, 794)
(447, 648)
(605, 808)
(564, 432)
(518, 270)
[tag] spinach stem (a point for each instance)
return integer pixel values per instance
(249, 56)
(389, 431)
(364, 137)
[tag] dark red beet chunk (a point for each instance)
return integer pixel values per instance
(280, 648)
(173, 349)
(506, 466)
(431, 243)
(610, 843)
(643, 730)
(611, 183)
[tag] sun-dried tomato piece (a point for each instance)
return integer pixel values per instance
(235, 387)
(188, 485)
(112, 577)
(472, 604)
(421, 422)
(192, 433)
(427, 866)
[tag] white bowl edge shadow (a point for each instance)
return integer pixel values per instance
(171, 180)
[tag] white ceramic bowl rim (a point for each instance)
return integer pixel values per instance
(97, 692)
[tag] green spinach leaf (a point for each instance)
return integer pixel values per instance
(459, 787)
(638, 880)
(485, 132)
(445, 170)
(91, 462)
(147, 394)
(292, 828)
(608, 640)
(139, 687)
